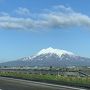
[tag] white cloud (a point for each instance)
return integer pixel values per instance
(57, 17)
(8, 22)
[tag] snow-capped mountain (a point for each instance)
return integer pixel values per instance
(58, 52)
(49, 51)
(50, 57)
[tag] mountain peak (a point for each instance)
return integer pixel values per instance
(54, 51)
(51, 57)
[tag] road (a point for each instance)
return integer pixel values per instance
(18, 84)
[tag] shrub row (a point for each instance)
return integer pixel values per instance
(72, 81)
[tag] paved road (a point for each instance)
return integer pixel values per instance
(18, 84)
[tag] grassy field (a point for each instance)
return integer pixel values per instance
(72, 81)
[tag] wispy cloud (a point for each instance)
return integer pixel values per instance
(4, 14)
(56, 17)
(23, 11)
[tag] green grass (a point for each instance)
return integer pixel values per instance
(75, 81)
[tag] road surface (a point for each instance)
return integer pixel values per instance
(18, 84)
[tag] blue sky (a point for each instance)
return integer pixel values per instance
(27, 26)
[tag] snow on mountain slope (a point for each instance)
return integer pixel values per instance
(58, 52)
(49, 51)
